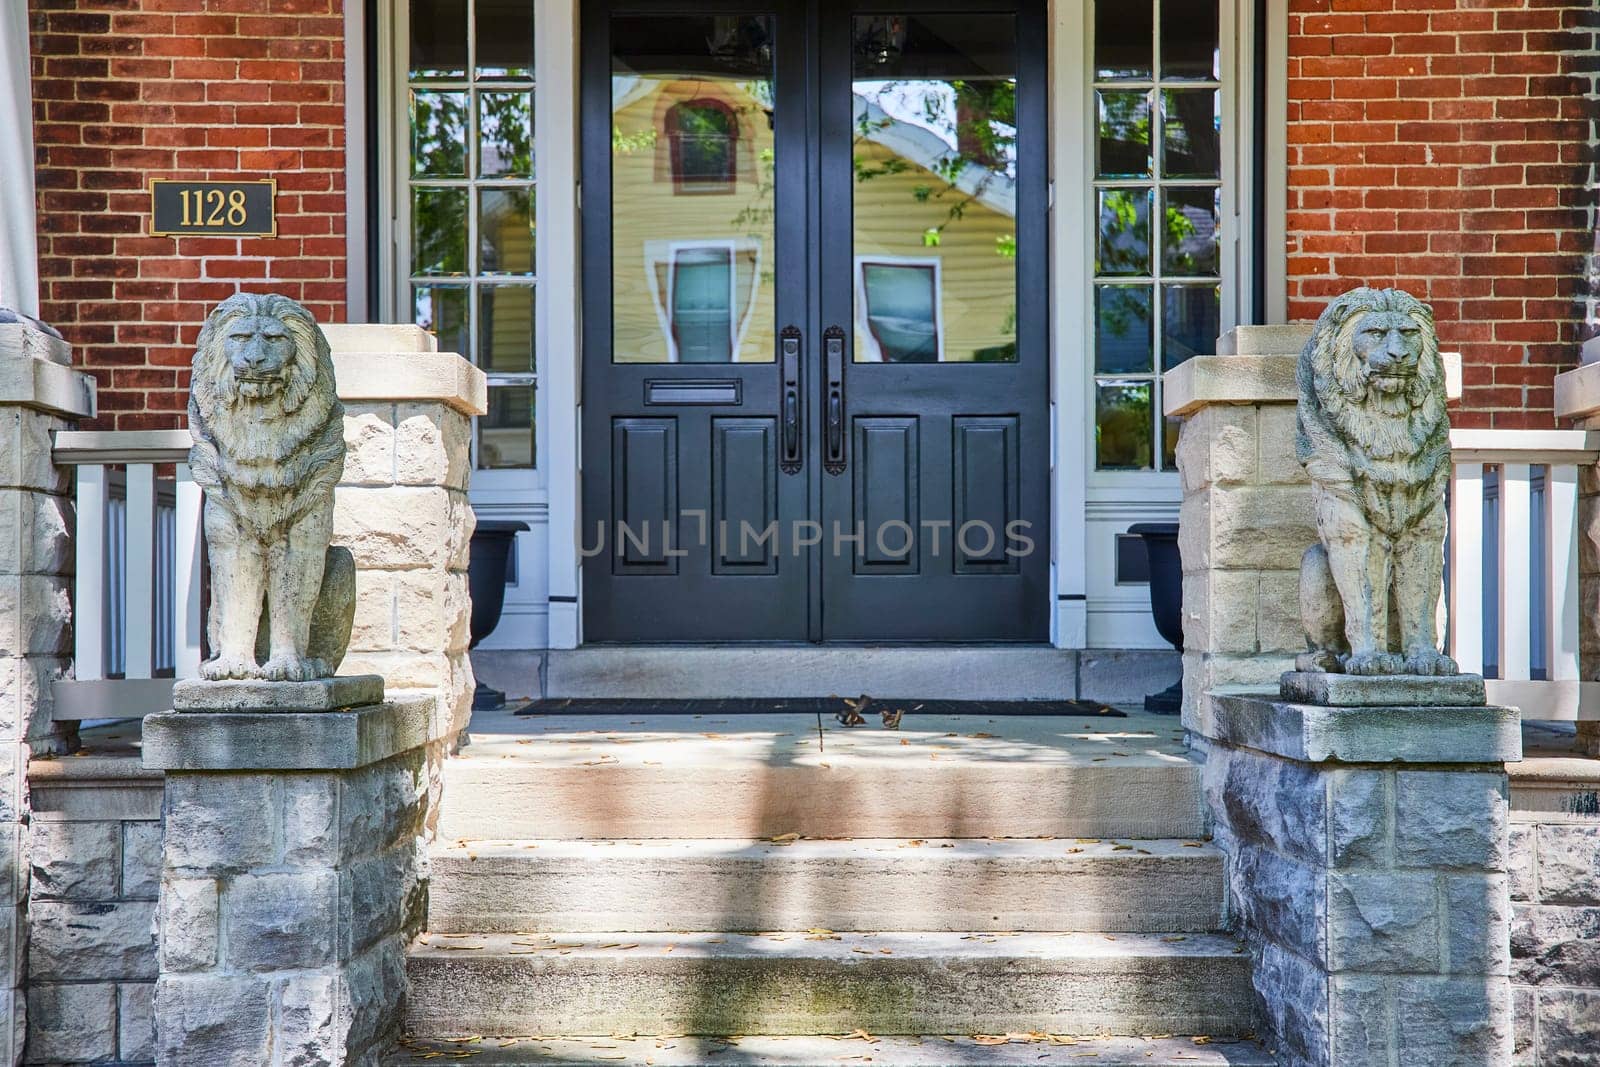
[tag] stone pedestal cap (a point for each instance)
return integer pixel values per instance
(386, 363)
(321, 694)
(34, 373)
(1313, 734)
(286, 740)
(1379, 691)
(1578, 394)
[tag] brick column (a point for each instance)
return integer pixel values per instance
(1368, 860)
(39, 394)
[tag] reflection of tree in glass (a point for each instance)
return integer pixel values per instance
(439, 135)
(507, 134)
(1122, 429)
(1124, 237)
(1122, 308)
(1124, 133)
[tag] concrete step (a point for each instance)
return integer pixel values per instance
(757, 776)
(946, 885)
(821, 983)
(1032, 1050)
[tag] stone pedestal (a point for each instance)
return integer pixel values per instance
(1368, 860)
(39, 394)
(290, 881)
(1247, 516)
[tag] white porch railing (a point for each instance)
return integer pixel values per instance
(1515, 611)
(136, 593)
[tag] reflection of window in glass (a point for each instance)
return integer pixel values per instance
(1157, 205)
(702, 305)
(469, 192)
(703, 138)
(898, 306)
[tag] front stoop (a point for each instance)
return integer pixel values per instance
(961, 876)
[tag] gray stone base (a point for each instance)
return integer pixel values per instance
(1394, 690)
(1314, 733)
(321, 694)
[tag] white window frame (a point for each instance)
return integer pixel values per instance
(870, 352)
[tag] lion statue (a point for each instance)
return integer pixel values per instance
(1375, 439)
(268, 450)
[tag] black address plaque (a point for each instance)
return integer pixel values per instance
(222, 209)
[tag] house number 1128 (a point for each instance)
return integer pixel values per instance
(227, 210)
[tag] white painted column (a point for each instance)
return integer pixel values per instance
(19, 249)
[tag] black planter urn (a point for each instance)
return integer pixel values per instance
(489, 554)
(1166, 601)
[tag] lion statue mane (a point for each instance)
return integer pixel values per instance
(1374, 436)
(268, 432)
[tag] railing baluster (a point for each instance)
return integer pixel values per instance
(1466, 567)
(1516, 562)
(89, 604)
(186, 622)
(140, 571)
(1561, 579)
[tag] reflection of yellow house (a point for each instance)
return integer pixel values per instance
(692, 232)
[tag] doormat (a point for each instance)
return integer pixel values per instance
(849, 712)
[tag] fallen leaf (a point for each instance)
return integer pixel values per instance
(991, 1039)
(784, 839)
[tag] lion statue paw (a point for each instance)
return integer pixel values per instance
(1430, 661)
(221, 668)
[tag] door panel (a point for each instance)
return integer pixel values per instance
(815, 307)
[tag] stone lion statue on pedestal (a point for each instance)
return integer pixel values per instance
(268, 450)
(1375, 438)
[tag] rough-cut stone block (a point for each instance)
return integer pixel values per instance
(1268, 801)
(369, 445)
(1556, 946)
(432, 609)
(432, 445)
(1276, 431)
(71, 941)
(1368, 735)
(1278, 626)
(1479, 923)
(219, 822)
(190, 924)
(278, 921)
(25, 443)
(319, 694)
(1569, 1019)
(1378, 691)
(311, 819)
(1219, 610)
(1523, 1049)
(35, 533)
(1450, 819)
(285, 740)
(1358, 1021)
(1358, 817)
(1453, 1020)
(1246, 527)
(1519, 860)
(1569, 864)
(381, 805)
(72, 1023)
(1218, 447)
(1281, 900)
(1382, 921)
(75, 860)
(136, 1022)
(35, 615)
(374, 628)
(206, 1020)
(141, 860)
(396, 528)
(1293, 997)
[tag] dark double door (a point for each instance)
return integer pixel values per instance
(815, 367)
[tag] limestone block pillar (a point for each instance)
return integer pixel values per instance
(290, 881)
(1246, 517)
(1367, 867)
(39, 394)
(402, 509)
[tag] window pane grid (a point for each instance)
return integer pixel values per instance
(478, 298)
(1156, 271)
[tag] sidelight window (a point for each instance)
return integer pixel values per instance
(1157, 205)
(469, 194)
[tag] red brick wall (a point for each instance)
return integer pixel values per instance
(1444, 146)
(126, 90)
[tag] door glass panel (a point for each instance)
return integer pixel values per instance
(505, 329)
(505, 231)
(692, 189)
(935, 165)
(1123, 35)
(438, 38)
(505, 38)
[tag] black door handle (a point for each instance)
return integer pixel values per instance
(833, 351)
(789, 367)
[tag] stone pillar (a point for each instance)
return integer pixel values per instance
(1247, 516)
(291, 881)
(1368, 862)
(39, 394)
(402, 509)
